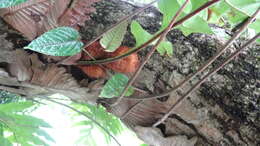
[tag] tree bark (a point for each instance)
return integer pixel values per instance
(225, 110)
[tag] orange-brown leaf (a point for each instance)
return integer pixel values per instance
(95, 50)
(93, 71)
(126, 65)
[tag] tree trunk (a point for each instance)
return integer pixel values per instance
(223, 111)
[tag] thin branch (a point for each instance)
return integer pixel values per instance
(202, 68)
(124, 115)
(162, 37)
(108, 60)
(197, 85)
(85, 115)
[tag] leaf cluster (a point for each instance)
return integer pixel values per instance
(110, 122)
(18, 127)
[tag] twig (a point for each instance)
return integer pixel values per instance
(131, 81)
(197, 85)
(202, 68)
(124, 115)
(85, 115)
(108, 60)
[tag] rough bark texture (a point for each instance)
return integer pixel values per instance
(224, 111)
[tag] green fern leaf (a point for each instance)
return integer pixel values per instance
(9, 3)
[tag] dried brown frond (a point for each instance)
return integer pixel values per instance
(78, 13)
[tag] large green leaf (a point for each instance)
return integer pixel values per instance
(235, 17)
(115, 86)
(195, 25)
(198, 3)
(142, 36)
(8, 3)
(113, 39)
(61, 41)
(248, 7)
(169, 9)
(218, 10)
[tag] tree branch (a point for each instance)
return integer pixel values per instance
(197, 85)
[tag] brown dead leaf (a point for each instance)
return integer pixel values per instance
(143, 114)
(21, 67)
(153, 136)
(78, 13)
(34, 17)
(27, 17)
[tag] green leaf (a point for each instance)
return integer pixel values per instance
(255, 25)
(142, 36)
(218, 10)
(235, 17)
(15, 106)
(165, 48)
(113, 39)
(248, 7)
(30, 121)
(4, 142)
(115, 86)
(188, 7)
(195, 25)
(61, 41)
(169, 9)
(198, 3)
(9, 3)
(41, 132)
